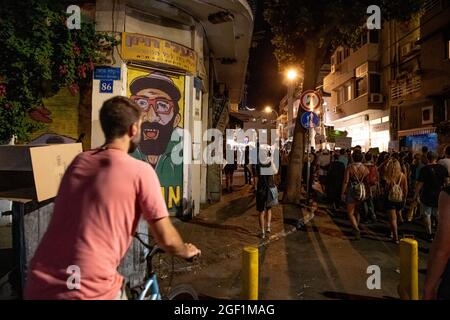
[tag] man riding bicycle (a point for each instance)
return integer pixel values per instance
(102, 196)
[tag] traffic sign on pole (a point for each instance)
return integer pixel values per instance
(309, 120)
(311, 100)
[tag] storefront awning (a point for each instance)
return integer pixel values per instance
(416, 132)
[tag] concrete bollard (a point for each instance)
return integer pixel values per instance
(408, 288)
(249, 273)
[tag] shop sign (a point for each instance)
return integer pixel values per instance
(333, 134)
(106, 73)
(145, 48)
(380, 127)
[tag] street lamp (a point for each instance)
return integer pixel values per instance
(291, 74)
(269, 109)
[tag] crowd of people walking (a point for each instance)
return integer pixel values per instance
(369, 187)
(397, 185)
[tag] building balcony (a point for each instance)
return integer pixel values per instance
(406, 88)
(345, 71)
(366, 103)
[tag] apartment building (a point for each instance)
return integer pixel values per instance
(392, 92)
(356, 84)
(421, 93)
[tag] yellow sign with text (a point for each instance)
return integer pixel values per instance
(145, 48)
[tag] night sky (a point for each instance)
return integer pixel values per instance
(265, 82)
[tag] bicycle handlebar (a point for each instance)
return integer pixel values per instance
(156, 249)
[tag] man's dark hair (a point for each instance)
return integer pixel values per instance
(357, 156)
(424, 149)
(432, 156)
(368, 156)
(117, 115)
(447, 151)
(342, 152)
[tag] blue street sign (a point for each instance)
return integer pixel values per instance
(106, 73)
(106, 86)
(309, 120)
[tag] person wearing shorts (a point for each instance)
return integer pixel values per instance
(355, 173)
(265, 182)
(432, 179)
(393, 176)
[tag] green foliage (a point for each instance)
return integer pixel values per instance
(294, 23)
(38, 56)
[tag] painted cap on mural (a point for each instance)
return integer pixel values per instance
(157, 81)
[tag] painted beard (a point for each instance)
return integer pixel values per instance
(155, 137)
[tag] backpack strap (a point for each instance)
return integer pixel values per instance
(400, 179)
(356, 176)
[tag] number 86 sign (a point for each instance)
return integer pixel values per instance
(106, 86)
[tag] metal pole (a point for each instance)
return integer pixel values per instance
(250, 273)
(308, 166)
(290, 106)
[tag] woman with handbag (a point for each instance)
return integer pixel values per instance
(266, 194)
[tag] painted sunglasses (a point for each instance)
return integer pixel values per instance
(159, 105)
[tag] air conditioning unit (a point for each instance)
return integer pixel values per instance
(362, 70)
(337, 109)
(406, 49)
(376, 98)
(335, 68)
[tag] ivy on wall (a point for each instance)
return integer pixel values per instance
(40, 55)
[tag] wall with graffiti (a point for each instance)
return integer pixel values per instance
(59, 116)
(161, 97)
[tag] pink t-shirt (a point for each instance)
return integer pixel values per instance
(100, 201)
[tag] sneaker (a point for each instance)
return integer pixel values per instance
(262, 235)
(357, 234)
(268, 230)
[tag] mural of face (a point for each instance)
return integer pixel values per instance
(159, 120)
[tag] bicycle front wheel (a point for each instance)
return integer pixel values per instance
(182, 292)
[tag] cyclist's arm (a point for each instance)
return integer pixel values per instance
(170, 240)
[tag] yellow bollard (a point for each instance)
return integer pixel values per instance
(408, 288)
(249, 274)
